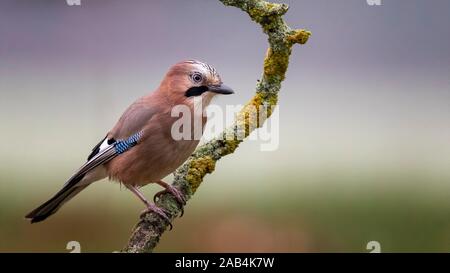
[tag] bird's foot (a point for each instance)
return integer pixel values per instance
(161, 212)
(179, 196)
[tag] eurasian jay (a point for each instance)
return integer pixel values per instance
(140, 148)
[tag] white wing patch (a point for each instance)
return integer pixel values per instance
(104, 145)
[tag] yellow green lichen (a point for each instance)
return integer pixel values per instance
(199, 167)
(257, 13)
(299, 36)
(230, 146)
(247, 118)
(276, 63)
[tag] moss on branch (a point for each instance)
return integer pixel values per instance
(189, 176)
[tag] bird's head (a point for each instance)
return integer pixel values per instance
(188, 80)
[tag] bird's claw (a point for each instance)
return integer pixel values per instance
(179, 196)
(161, 212)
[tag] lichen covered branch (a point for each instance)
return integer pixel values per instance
(190, 175)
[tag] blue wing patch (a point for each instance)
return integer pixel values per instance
(122, 146)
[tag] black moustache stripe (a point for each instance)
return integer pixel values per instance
(196, 91)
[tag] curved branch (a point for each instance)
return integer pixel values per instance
(190, 175)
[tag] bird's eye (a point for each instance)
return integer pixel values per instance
(197, 77)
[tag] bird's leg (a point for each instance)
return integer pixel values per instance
(174, 191)
(150, 206)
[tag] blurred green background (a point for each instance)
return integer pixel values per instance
(364, 146)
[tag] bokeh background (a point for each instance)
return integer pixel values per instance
(364, 149)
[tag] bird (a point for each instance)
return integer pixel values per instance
(140, 148)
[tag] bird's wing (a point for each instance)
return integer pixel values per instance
(97, 147)
(125, 134)
(103, 152)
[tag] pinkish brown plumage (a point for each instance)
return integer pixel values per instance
(140, 148)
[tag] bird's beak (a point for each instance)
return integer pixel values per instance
(220, 89)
